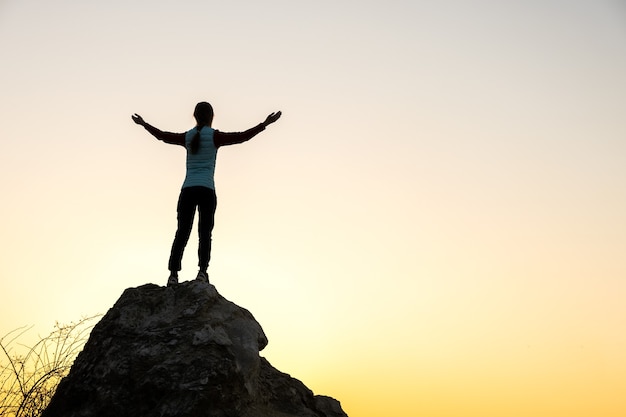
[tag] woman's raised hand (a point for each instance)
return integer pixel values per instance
(138, 119)
(272, 118)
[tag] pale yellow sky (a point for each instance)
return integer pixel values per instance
(435, 227)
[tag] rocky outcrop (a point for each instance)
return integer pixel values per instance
(180, 351)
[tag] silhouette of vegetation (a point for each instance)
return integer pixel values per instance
(29, 375)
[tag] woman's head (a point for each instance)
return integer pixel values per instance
(203, 113)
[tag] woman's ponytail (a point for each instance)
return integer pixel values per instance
(195, 141)
(203, 113)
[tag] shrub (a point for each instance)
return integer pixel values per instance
(29, 379)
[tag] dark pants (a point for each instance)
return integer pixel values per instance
(206, 201)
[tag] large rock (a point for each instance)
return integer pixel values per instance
(180, 351)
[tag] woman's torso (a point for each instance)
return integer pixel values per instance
(201, 165)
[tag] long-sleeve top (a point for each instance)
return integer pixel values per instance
(200, 167)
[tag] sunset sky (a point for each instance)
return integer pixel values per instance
(435, 227)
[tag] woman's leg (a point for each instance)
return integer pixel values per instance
(186, 210)
(206, 208)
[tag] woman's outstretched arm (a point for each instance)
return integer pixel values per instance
(232, 138)
(167, 137)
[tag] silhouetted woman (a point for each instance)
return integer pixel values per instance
(198, 190)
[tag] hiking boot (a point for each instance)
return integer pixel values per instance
(203, 277)
(172, 280)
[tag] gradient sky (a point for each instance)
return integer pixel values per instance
(436, 226)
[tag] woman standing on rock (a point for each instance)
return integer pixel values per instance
(198, 190)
